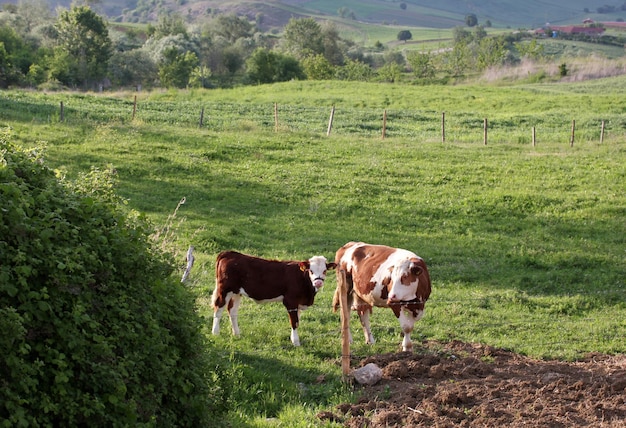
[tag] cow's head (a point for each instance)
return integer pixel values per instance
(404, 280)
(316, 267)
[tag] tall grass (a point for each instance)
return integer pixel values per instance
(579, 69)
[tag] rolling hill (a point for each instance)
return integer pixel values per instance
(412, 13)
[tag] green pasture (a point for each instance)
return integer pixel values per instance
(557, 48)
(526, 245)
(412, 112)
(368, 34)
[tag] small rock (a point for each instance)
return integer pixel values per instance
(368, 374)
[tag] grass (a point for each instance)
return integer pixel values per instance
(525, 245)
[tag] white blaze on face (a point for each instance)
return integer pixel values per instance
(400, 266)
(317, 271)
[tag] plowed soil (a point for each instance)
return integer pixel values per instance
(470, 385)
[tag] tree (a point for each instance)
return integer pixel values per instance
(394, 56)
(317, 67)
(303, 37)
(32, 14)
(471, 20)
(456, 62)
(331, 42)
(266, 66)
(170, 24)
(94, 329)
(288, 68)
(15, 57)
(343, 11)
(261, 66)
(479, 34)
(232, 60)
(491, 51)
(421, 64)
(232, 27)
(532, 49)
(355, 71)
(175, 69)
(404, 35)
(403, 6)
(390, 72)
(461, 35)
(200, 77)
(83, 41)
(157, 48)
(5, 66)
(132, 68)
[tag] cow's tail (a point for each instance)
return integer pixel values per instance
(337, 295)
(336, 299)
(216, 293)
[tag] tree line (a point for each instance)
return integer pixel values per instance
(79, 49)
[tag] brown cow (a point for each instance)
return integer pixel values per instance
(294, 283)
(382, 276)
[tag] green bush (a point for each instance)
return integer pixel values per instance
(94, 329)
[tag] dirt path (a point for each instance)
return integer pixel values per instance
(470, 385)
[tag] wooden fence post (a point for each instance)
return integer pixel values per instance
(443, 127)
(275, 117)
(345, 322)
(602, 133)
(485, 131)
(384, 123)
(134, 107)
(534, 140)
(330, 121)
(61, 113)
(571, 141)
(201, 117)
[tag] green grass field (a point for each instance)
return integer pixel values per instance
(525, 244)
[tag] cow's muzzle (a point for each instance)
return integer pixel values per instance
(395, 302)
(318, 283)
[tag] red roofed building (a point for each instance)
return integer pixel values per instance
(576, 29)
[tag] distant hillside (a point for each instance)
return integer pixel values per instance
(410, 13)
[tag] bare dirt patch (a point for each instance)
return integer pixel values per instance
(470, 385)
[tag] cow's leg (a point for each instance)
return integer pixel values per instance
(350, 300)
(218, 309)
(219, 303)
(216, 320)
(364, 310)
(233, 312)
(294, 320)
(367, 331)
(407, 321)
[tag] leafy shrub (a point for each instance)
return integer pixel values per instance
(266, 66)
(94, 330)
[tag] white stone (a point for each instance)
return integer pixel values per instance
(369, 374)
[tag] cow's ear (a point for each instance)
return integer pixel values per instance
(304, 266)
(331, 265)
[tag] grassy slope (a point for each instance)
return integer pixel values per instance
(442, 14)
(524, 244)
(450, 13)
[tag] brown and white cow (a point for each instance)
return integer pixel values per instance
(294, 283)
(377, 275)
